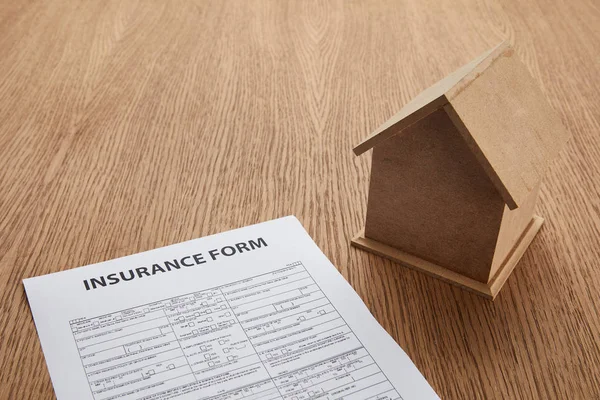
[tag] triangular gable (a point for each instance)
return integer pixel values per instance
(502, 115)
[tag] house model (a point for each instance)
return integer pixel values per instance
(456, 174)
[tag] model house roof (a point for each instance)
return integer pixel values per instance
(500, 111)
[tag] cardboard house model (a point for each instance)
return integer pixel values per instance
(456, 174)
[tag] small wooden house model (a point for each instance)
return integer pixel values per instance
(456, 174)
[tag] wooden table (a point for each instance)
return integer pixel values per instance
(130, 125)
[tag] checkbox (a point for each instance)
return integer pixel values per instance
(151, 372)
(302, 318)
(203, 348)
(171, 366)
(209, 311)
(228, 314)
(230, 358)
(209, 319)
(195, 332)
(211, 364)
(213, 326)
(192, 324)
(181, 319)
(223, 306)
(269, 355)
(196, 314)
(119, 318)
(221, 342)
(204, 303)
(226, 350)
(231, 321)
(219, 300)
(207, 356)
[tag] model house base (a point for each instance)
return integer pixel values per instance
(488, 290)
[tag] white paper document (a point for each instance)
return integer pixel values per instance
(254, 313)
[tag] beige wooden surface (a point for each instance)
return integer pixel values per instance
(129, 125)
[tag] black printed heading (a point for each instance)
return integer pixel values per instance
(188, 261)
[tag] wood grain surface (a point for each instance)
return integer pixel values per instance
(128, 125)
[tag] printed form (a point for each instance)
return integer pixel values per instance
(254, 313)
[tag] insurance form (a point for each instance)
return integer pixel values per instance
(254, 313)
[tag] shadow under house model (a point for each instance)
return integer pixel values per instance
(456, 174)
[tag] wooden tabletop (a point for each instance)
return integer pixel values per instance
(129, 125)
